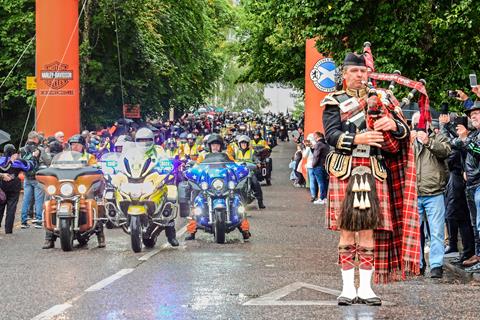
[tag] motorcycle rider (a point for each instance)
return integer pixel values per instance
(245, 153)
(190, 149)
(78, 144)
(145, 139)
(257, 140)
(171, 149)
(215, 144)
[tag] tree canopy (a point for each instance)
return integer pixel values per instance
(435, 40)
(170, 56)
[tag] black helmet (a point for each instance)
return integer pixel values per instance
(9, 150)
(215, 138)
(77, 139)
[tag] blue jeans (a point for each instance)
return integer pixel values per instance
(31, 189)
(321, 176)
(433, 207)
(477, 205)
(312, 182)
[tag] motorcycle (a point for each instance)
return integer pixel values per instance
(218, 200)
(110, 164)
(264, 172)
(271, 139)
(283, 133)
(71, 210)
(144, 204)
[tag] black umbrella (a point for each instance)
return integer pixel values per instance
(4, 137)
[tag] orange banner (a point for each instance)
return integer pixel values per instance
(58, 79)
(319, 81)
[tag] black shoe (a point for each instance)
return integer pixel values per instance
(101, 240)
(422, 271)
(375, 301)
(25, 226)
(49, 244)
(449, 249)
(246, 235)
(313, 199)
(190, 237)
(171, 236)
(173, 242)
(343, 301)
(436, 273)
(261, 205)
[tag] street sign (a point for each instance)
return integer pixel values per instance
(31, 83)
(131, 111)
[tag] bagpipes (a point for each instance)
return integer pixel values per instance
(377, 109)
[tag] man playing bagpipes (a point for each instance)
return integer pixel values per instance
(372, 197)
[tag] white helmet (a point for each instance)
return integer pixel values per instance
(144, 138)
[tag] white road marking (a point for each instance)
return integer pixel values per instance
(107, 281)
(180, 233)
(52, 312)
(149, 255)
(273, 298)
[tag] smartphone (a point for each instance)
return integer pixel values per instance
(453, 94)
(473, 80)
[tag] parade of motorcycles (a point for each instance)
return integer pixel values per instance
(226, 159)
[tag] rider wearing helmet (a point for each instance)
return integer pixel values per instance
(257, 140)
(245, 153)
(145, 139)
(122, 142)
(190, 149)
(215, 144)
(171, 148)
(78, 144)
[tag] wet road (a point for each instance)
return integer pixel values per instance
(286, 271)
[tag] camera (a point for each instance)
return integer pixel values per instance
(453, 94)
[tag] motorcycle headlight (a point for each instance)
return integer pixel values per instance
(82, 189)
(218, 184)
(51, 189)
(231, 185)
(197, 211)
(204, 186)
(66, 189)
(241, 210)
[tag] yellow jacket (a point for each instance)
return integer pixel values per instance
(260, 143)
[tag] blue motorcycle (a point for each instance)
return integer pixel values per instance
(216, 195)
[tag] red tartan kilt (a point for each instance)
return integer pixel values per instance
(336, 194)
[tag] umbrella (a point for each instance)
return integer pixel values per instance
(201, 110)
(4, 137)
(248, 111)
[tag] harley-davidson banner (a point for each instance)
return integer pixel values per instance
(58, 100)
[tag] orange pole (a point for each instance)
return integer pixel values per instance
(57, 60)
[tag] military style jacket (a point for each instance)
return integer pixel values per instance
(341, 133)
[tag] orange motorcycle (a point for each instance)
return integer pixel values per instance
(71, 210)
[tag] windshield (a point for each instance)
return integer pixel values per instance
(69, 160)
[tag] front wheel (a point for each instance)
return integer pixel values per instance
(136, 233)
(66, 234)
(220, 228)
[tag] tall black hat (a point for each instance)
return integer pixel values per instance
(354, 59)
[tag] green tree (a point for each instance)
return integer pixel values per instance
(434, 40)
(17, 28)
